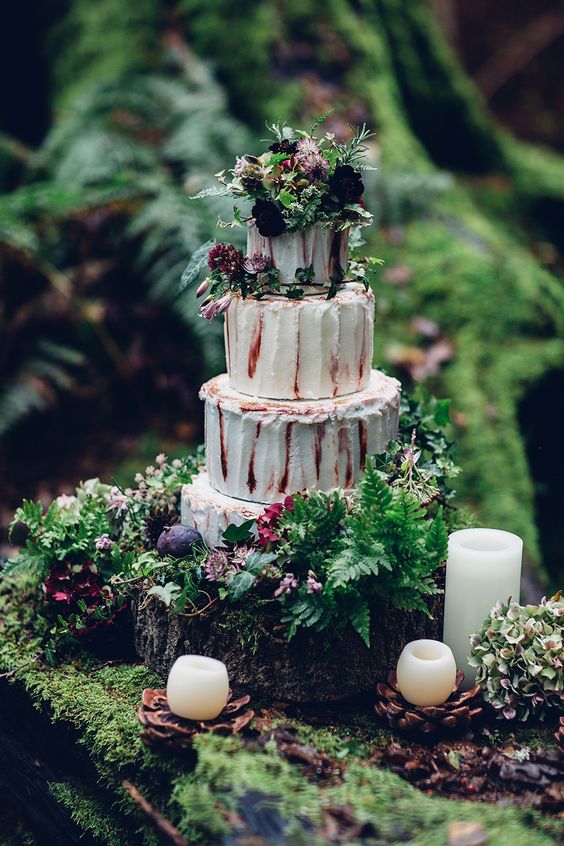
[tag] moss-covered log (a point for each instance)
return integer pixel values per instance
(312, 667)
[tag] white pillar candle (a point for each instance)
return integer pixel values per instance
(197, 687)
(426, 672)
(483, 566)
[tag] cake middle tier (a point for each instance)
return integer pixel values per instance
(301, 349)
(259, 450)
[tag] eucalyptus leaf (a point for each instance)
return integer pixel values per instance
(194, 266)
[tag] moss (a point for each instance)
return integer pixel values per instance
(91, 814)
(100, 703)
(12, 831)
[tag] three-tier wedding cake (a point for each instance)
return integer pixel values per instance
(300, 406)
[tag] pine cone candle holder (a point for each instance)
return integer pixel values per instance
(559, 736)
(162, 728)
(459, 711)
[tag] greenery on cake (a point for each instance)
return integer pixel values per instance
(518, 653)
(313, 561)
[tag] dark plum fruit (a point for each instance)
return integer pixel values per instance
(177, 541)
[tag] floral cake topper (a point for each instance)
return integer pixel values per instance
(300, 180)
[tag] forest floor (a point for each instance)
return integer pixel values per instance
(75, 769)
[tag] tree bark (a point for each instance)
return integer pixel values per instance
(312, 667)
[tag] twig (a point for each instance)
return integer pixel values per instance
(13, 672)
(518, 51)
(160, 822)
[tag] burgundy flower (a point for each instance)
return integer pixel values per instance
(227, 259)
(73, 583)
(268, 218)
(347, 184)
(268, 520)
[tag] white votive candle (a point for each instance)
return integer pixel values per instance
(197, 687)
(483, 567)
(426, 672)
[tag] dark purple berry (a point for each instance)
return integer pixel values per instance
(177, 541)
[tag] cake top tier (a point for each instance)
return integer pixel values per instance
(304, 194)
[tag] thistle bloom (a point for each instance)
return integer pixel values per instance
(216, 564)
(256, 263)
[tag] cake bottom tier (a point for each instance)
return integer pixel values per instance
(211, 512)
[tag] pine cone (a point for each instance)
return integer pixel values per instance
(163, 728)
(459, 710)
(157, 520)
(559, 736)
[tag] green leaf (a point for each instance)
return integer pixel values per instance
(286, 198)
(194, 266)
(442, 412)
(360, 619)
(166, 593)
(238, 534)
(240, 584)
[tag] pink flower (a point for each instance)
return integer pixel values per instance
(287, 585)
(213, 308)
(104, 542)
(117, 501)
(203, 287)
(313, 586)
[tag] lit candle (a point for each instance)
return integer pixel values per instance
(197, 687)
(483, 566)
(426, 672)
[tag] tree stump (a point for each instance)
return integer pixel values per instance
(312, 667)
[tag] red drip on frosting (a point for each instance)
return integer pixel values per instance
(345, 447)
(251, 479)
(297, 376)
(223, 451)
(256, 341)
(284, 480)
(318, 448)
(363, 442)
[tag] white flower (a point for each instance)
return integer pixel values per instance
(104, 542)
(66, 502)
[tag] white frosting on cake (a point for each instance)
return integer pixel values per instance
(211, 512)
(260, 449)
(324, 248)
(301, 349)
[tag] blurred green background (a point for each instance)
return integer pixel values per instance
(113, 113)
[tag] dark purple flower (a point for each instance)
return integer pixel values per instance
(284, 146)
(347, 184)
(268, 218)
